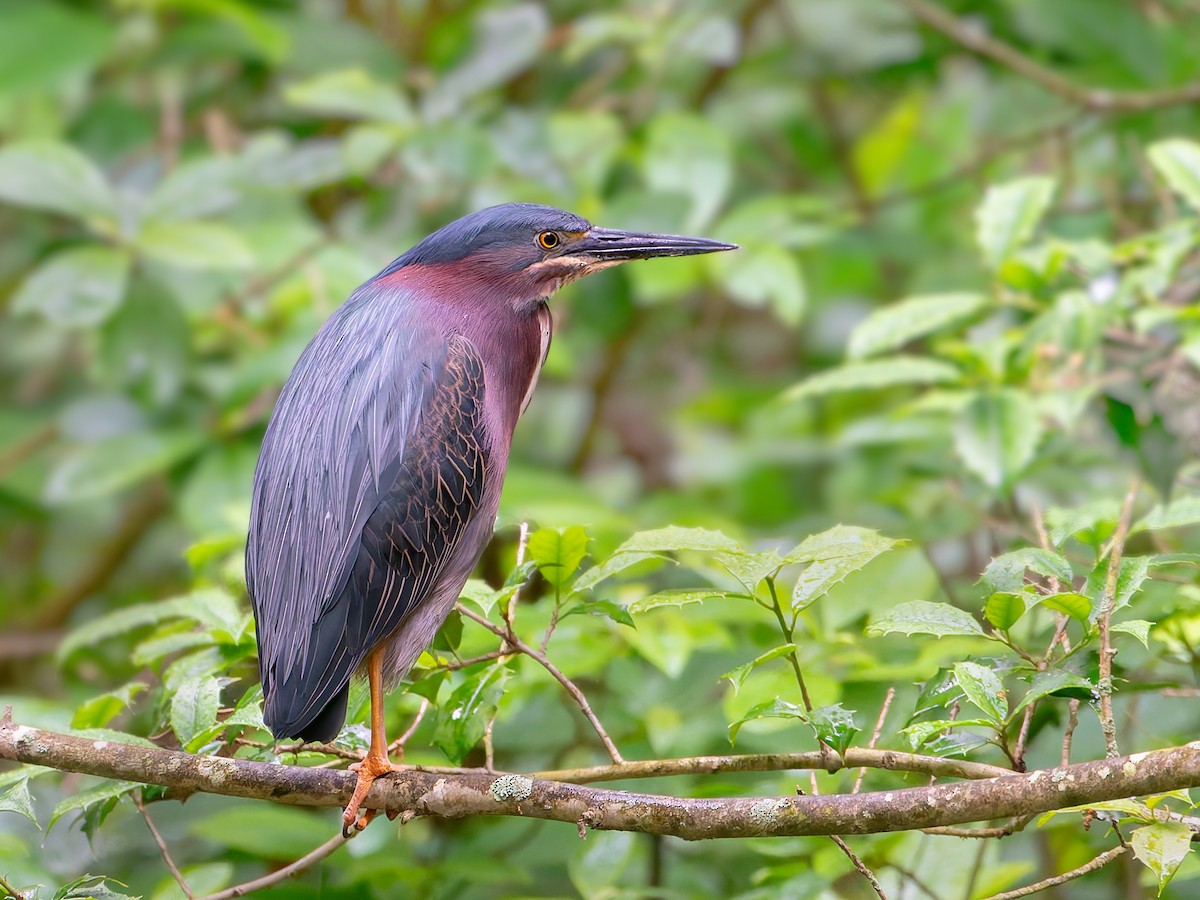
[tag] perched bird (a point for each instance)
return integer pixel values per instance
(377, 486)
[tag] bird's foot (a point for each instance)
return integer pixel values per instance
(354, 818)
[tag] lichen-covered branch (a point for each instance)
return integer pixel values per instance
(486, 794)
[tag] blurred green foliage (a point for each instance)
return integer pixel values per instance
(965, 308)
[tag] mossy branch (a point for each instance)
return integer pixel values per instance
(488, 794)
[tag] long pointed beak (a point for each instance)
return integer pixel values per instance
(607, 245)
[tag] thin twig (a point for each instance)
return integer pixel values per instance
(1072, 723)
(860, 865)
(568, 685)
(162, 848)
(1014, 825)
(279, 875)
(1099, 862)
(1104, 620)
(887, 702)
(397, 746)
(10, 892)
(1099, 100)
(509, 611)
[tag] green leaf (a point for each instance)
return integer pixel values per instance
(558, 552)
(875, 374)
(681, 597)
(601, 863)
(1077, 606)
(922, 733)
(923, 617)
(95, 803)
(690, 155)
(1162, 848)
(751, 568)
(1008, 216)
(834, 725)
(765, 275)
(194, 245)
(464, 717)
(982, 687)
(1180, 512)
(618, 562)
(99, 711)
(93, 887)
(481, 594)
(208, 606)
(194, 710)
(673, 539)
(604, 608)
(155, 649)
(1004, 608)
(997, 436)
(833, 556)
(1093, 523)
(1057, 682)
(350, 93)
(1007, 571)
(49, 175)
(770, 709)
(1131, 576)
(1139, 628)
(76, 288)
(91, 471)
(1178, 161)
(17, 799)
(738, 675)
(891, 327)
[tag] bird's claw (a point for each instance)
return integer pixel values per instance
(354, 818)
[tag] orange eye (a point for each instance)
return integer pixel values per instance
(548, 240)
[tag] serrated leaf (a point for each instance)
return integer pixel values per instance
(1131, 576)
(1131, 808)
(194, 710)
(1077, 606)
(350, 93)
(681, 597)
(939, 692)
(99, 711)
(875, 374)
(49, 175)
(1181, 512)
(997, 435)
(1008, 216)
(1058, 682)
(982, 687)
(1178, 161)
(481, 594)
(249, 710)
(17, 799)
(738, 675)
(751, 568)
(834, 725)
(76, 288)
(463, 718)
(770, 709)
(1162, 848)
(673, 539)
(1139, 628)
(194, 245)
(614, 565)
(893, 326)
(98, 801)
(833, 556)
(558, 552)
(1007, 571)
(923, 617)
(93, 887)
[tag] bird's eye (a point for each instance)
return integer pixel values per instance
(548, 240)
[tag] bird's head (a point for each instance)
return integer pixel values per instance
(535, 250)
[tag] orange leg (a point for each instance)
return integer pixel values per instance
(376, 762)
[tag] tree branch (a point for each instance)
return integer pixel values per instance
(1099, 862)
(1099, 100)
(307, 861)
(486, 794)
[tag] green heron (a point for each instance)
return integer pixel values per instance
(379, 479)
